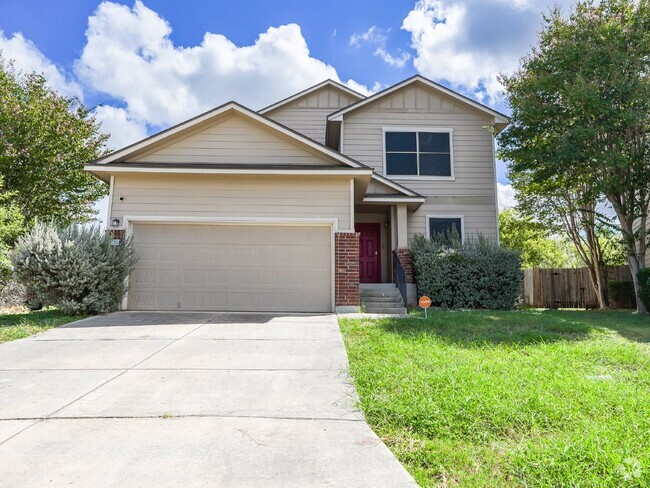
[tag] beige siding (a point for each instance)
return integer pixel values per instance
(232, 196)
(308, 115)
(478, 219)
(234, 140)
(471, 193)
(377, 187)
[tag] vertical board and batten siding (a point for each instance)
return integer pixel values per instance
(233, 140)
(471, 193)
(308, 115)
(268, 196)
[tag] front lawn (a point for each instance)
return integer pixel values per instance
(19, 325)
(522, 398)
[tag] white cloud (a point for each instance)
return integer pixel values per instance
(506, 196)
(469, 42)
(26, 57)
(130, 56)
(123, 129)
(373, 35)
(394, 61)
(378, 37)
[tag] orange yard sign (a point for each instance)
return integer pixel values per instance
(424, 302)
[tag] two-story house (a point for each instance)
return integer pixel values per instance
(292, 207)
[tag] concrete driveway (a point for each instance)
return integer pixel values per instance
(186, 399)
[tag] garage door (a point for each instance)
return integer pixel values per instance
(231, 267)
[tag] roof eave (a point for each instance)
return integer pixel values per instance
(309, 90)
(339, 114)
(205, 117)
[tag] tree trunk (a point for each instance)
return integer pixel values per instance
(634, 268)
(635, 258)
(601, 280)
(598, 280)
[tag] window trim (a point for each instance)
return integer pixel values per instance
(406, 128)
(445, 216)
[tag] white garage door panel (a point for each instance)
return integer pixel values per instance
(231, 267)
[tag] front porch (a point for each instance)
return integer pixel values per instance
(383, 249)
(375, 255)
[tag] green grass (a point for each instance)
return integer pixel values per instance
(20, 325)
(522, 398)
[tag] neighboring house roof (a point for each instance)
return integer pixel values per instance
(205, 118)
(331, 83)
(500, 120)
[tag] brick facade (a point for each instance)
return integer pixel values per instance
(346, 268)
(404, 256)
(117, 234)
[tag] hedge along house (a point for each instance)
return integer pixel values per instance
(296, 207)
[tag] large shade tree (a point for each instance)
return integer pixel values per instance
(45, 139)
(534, 241)
(581, 117)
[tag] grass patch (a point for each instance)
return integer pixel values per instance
(521, 398)
(20, 325)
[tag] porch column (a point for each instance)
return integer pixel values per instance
(402, 229)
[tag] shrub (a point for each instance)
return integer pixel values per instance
(621, 294)
(643, 275)
(13, 294)
(76, 269)
(475, 274)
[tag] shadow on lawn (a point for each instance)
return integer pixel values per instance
(520, 327)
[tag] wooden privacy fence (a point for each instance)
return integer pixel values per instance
(565, 287)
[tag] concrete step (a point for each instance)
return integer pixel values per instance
(379, 298)
(383, 302)
(377, 286)
(379, 291)
(387, 310)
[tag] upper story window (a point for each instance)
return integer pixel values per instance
(426, 152)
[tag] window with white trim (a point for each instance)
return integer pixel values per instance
(443, 227)
(418, 153)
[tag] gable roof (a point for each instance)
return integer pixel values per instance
(205, 118)
(331, 83)
(501, 120)
(398, 189)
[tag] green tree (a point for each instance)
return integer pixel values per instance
(533, 241)
(45, 139)
(581, 122)
(12, 225)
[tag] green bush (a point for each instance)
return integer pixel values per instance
(643, 275)
(477, 274)
(621, 294)
(76, 269)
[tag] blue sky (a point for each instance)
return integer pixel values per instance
(145, 65)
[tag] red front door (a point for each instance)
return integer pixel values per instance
(369, 253)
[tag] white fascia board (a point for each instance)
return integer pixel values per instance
(227, 171)
(393, 199)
